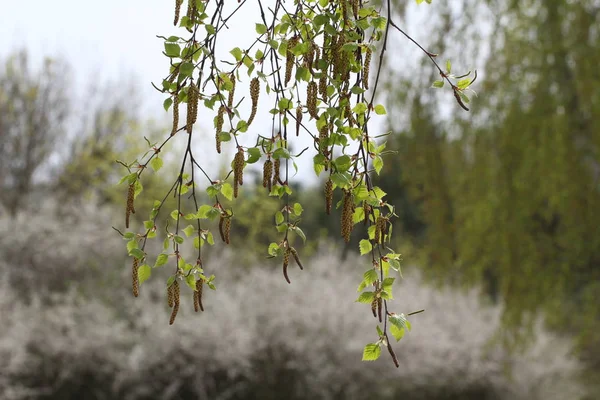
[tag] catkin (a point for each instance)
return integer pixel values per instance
(311, 99)
(286, 261)
(227, 228)
(276, 166)
(198, 296)
(289, 60)
(268, 174)
(366, 68)
(238, 166)
(378, 229)
(177, 11)
(254, 93)
(298, 119)
(296, 257)
(344, 10)
(391, 351)
(191, 11)
(175, 302)
(192, 107)
(129, 208)
(379, 307)
(347, 214)
(175, 114)
(328, 196)
(171, 295)
(134, 277)
(221, 227)
(355, 7)
(367, 211)
(374, 307)
(323, 86)
(231, 92)
(219, 126)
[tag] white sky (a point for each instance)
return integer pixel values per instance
(115, 40)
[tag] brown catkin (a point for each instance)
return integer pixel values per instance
(198, 292)
(379, 308)
(311, 99)
(391, 351)
(366, 68)
(328, 196)
(238, 166)
(355, 7)
(175, 302)
(289, 58)
(222, 227)
(254, 93)
(268, 174)
(286, 262)
(227, 228)
(171, 295)
(298, 119)
(378, 222)
(347, 214)
(129, 208)
(276, 166)
(191, 11)
(219, 126)
(195, 300)
(309, 57)
(231, 92)
(374, 307)
(367, 211)
(192, 106)
(134, 277)
(344, 10)
(178, 4)
(296, 257)
(175, 114)
(323, 86)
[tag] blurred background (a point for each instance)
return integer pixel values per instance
(498, 221)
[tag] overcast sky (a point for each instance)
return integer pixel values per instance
(116, 40)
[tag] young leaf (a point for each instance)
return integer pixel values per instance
(144, 273)
(366, 297)
(365, 247)
(371, 352)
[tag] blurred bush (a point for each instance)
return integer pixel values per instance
(259, 338)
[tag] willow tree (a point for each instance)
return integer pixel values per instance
(520, 180)
(316, 62)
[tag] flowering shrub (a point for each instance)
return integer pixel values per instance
(258, 338)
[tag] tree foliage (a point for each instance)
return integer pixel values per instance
(313, 59)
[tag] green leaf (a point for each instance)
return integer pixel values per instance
(365, 247)
(178, 239)
(399, 320)
(366, 297)
(156, 163)
(186, 69)
(261, 29)
(167, 103)
(380, 109)
(227, 191)
(137, 253)
(203, 211)
(448, 67)
(189, 230)
(144, 272)
(387, 284)
(172, 49)
(398, 333)
(253, 155)
(438, 84)
(210, 239)
(378, 164)
(370, 276)
(300, 233)
(237, 53)
(298, 209)
(190, 280)
(342, 163)
(371, 352)
(132, 244)
(278, 217)
(161, 260)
